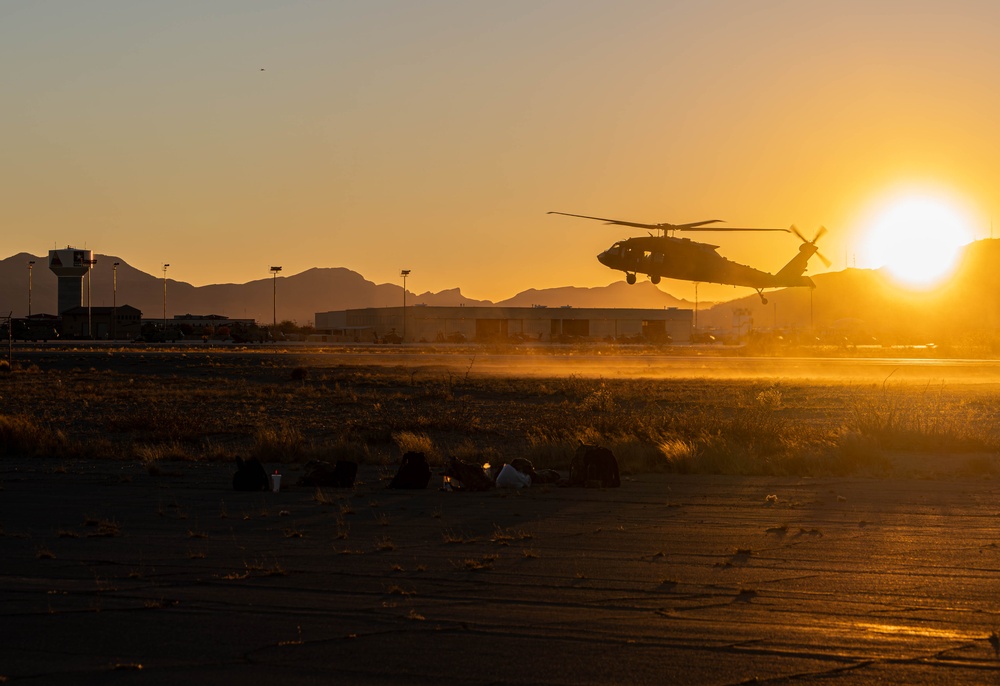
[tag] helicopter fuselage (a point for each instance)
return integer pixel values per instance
(686, 260)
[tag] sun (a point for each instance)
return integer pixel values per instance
(917, 238)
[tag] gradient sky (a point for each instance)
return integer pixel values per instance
(435, 135)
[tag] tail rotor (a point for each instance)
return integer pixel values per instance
(812, 244)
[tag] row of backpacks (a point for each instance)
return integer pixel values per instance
(592, 466)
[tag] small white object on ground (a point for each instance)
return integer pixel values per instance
(511, 478)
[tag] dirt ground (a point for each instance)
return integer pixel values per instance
(117, 572)
(113, 575)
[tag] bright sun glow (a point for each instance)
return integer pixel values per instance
(917, 238)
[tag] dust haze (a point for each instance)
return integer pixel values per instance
(595, 365)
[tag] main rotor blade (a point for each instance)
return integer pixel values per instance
(729, 228)
(615, 221)
(694, 225)
(666, 226)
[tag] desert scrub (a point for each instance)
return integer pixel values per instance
(278, 443)
(856, 453)
(408, 441)
(895, 418)
(368, 414)
(345, 447)
(21, 435)
(174, 451)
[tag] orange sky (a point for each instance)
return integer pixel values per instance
(434, 136)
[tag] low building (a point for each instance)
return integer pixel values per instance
(200, 321)
(203, 326)
(102, 323)
(485, 324)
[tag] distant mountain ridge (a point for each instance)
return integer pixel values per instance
(861, 300)
(299, 296)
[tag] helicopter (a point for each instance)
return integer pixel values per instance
(666, 256)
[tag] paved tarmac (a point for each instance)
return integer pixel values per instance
(112, 575)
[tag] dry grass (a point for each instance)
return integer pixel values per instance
(478, 564)
(22, 435)
(279, 443)
(231, 405)
(409, 441)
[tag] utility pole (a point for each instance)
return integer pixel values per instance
(90, 277)
(274, 305)
(404, 273)
(31, 264)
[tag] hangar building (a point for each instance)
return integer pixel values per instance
(484, 324)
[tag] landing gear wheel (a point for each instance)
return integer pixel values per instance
(763, 300)
(630, 279)
(654, 279)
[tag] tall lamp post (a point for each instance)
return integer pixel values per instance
(274, 301)
(31, 264)
(90, 278)
(114, 301)
(404, 273)
(165, 297)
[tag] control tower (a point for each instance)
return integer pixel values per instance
(70, 265)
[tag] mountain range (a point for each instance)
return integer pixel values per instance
(298, 297)
(859, 300)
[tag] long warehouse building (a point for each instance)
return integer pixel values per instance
(424, 323)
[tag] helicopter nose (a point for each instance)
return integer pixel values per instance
(603, 258)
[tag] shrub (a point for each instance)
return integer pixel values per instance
(408, 441)
(279, 443)
(897, 421)
(20, 435)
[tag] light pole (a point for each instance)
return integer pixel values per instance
(31, 264)
(165, 298)
(274, 282)
(404, 273)
(90, 278)
(696, 307)
(114, 301)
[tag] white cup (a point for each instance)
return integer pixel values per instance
(275, 482)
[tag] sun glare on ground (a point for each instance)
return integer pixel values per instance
(917, 238)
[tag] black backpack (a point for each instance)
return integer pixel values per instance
(250, 475)
(594, 466)
(413, 472)
(344, 474)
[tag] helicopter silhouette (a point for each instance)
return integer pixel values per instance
(666, 256)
